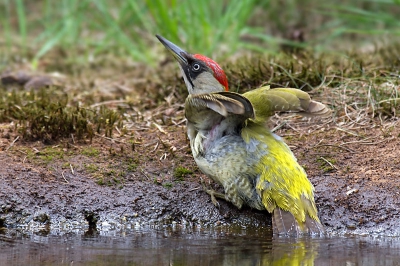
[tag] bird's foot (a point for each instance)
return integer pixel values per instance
(213, 194)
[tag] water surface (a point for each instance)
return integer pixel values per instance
(174, 245)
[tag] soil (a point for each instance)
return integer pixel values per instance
(109, 182)
(36, 193)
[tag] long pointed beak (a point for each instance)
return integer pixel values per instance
(179, 54)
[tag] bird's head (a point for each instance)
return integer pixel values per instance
(201, 74)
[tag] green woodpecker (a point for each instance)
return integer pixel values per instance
(232, 145)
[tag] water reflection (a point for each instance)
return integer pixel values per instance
(192, 246)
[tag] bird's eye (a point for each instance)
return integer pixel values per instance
(196, 67)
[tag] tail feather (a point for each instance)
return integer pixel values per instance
(314, 227)
(316, 109)
(284, 223)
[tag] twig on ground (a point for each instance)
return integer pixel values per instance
(278, 126)
(114, 140)
(328, 162)
(160, 128)
(72, 169)
(62, 174)
(358, 141)
(178, 123)
(347, 131)
(141, 170)
(12, 143)
(337, 146)
(107, 103)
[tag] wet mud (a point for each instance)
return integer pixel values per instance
(355, 178)
(34, 199)
(148, 176)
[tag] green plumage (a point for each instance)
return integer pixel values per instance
(269, 101)
(283, 182)
(233, 146)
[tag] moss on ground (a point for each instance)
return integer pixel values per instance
(77, 108)
(114, 120)
(181, 172)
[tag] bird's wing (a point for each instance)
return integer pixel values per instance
(206, 110)
(267, 101)
(248, 111)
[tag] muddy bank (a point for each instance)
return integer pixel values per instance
(355, 178)
(33, 198)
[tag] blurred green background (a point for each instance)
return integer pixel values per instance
(217, 28)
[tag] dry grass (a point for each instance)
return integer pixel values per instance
(115, 96)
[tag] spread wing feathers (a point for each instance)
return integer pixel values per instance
(206, 110)
(248, 107)
(223, 103)
(268, 101)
